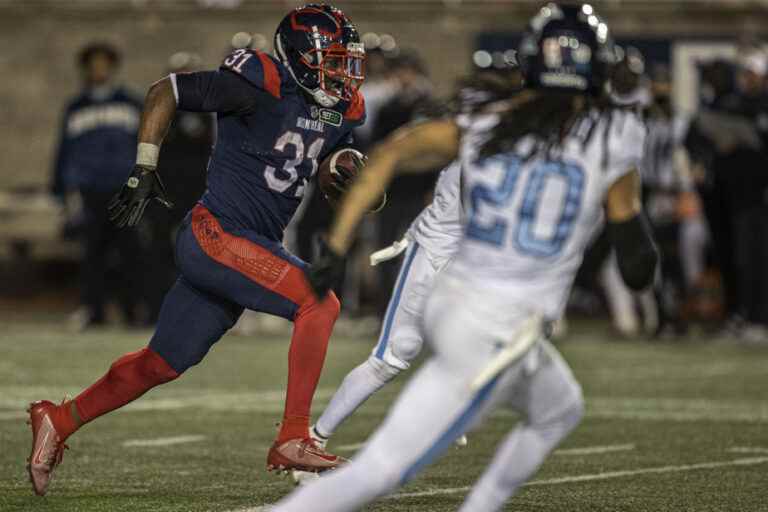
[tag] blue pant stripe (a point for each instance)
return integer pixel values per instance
(452, 433)
(395, 302)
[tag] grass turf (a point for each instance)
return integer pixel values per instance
(676, 405)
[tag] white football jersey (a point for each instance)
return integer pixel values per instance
(528, 223)
(438, 228)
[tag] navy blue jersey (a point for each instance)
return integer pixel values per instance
(97, 146)
(270, 139)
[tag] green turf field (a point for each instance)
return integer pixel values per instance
(668, 427)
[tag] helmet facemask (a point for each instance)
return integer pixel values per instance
(340, 71)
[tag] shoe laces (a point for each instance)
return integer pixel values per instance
(310, 445)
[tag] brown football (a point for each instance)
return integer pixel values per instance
(338, 163)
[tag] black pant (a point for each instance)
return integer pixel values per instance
(750, 254)
(105, 244)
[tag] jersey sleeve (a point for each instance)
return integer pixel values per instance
(58, 174)
(626, 145)
(214, 91)
(258, 68)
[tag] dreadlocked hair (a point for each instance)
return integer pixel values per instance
(549, 117)
(471, 94)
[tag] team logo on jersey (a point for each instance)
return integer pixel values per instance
(331, 117)
(314, 112)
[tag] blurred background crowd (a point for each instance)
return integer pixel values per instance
(69, 138)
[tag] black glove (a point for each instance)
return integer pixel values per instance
(128, 205)
(326, 270)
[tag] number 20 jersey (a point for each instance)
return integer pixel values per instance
(264, 157)
(528, 222)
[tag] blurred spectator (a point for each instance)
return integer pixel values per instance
(728, 140)
(380, 85)
(408, 194)
(668, 198)
(97, 147)
(630, 89)
(182, 165)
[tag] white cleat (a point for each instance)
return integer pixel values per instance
(303, 477)
(461, 442)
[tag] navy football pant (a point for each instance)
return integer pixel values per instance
(221, 274)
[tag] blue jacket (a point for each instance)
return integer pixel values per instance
(97, 142)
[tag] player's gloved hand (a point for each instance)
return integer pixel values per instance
(326, 269)
(128, 205)
(342, 177)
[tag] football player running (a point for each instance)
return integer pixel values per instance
(429, 244)
(276, 117)
(540, 171)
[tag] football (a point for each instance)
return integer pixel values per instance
(338, 168)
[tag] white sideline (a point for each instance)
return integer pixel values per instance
(163, 441)
(748, 449)
(349, 447)
(12, 415)
(15, 398)
(568, 479)
(590, 450)
(585, 450)
(600, 476)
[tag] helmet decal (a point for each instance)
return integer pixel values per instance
(296, 25)
(567, 47)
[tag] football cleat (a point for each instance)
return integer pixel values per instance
(301, 455)
(461, 442)
(305, 477)
(47, 446)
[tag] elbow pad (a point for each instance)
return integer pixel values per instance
(635, 251)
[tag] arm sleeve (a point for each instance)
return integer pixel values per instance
(58, 178)
(625, 145)
(215, 91)
(635, 251)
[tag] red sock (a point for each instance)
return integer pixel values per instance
(63, 420)
(128, 378)
(311, 332)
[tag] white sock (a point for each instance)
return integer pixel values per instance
(356, 388)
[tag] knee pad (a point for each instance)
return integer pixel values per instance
(331, 305)
(567, 417)
(572, 415)
(329, 308)
(144, 366)
(154, 368)
(405, 349)
(382, 369)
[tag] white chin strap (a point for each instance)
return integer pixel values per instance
(323, 98)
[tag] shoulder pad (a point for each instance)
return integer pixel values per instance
(355, 111)
(258, 68)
